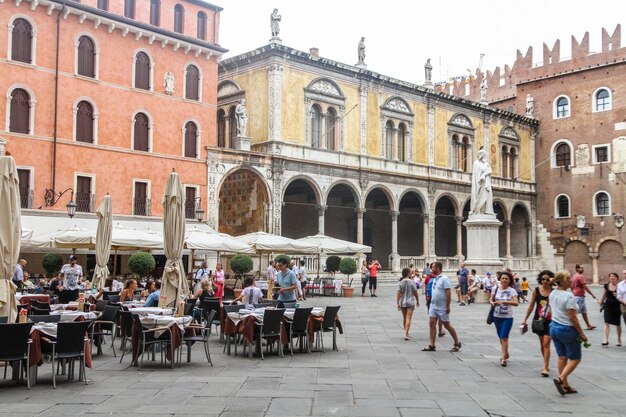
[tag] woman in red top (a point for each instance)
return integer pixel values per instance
(373, 267)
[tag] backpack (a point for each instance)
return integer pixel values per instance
(199, 273)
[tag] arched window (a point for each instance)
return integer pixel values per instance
(22, 41)
(389, 140)
(192, 83)
(129, 9)
(602, 100)
(563, 155)
(103, 5)
(505, 161)
(512, 163)
(316, 126)
(331, 129)
(401, 142)
(141, 131)
(19, 118)
(84, 122)
(603, 204)
(86, 57)
(562, 107)
(179, 16)
(142, 71)
(562, 206)
(191, 140)
(221, 128)
(232, 123)
(202, 26)
(155, 12)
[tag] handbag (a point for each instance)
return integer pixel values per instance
(491, 311)
(366, 277)
(539, 325)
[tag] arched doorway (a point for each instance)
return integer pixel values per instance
(299, 213)
(243, 204)
(340, 219)
(377, 226)
(411, 225)
(576, 252)
(445, 227)
(610, 259)
(520, 232)
(498, 209)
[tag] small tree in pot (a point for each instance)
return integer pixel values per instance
(51, 263)
(332, 264)
(141, 263)
(347, 266)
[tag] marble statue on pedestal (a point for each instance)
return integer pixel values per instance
(361, 50)
(483, 90)
(242, 117)
(482, 195)
(275, 19)
(428, 72)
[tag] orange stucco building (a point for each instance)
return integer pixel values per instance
(135, 98)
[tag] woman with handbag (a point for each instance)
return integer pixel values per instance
(365, 277)
(541, 320)
(503, 299)
(611, 308)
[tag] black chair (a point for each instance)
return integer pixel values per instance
(207, 306)
(66, 296)
(40, 305)
(188, 311)
(70, 345)
(4, 320)
(298, 328)
(147, 339)
(113, 299)
(107, 294)
(105, 326)
(261, 305)
(15, 347)
(34, 311)
(270, 330)
(100, 304)
(231, 309)
(329, 325)
(202, 338)
(126, 320)
(46, 318)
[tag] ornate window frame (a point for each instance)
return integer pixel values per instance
(33, 45)
(325, 93)
(31, 111)
(134, 62)
(594, 100)
(553, 153)
(95, 118)
(595, 203)
(200, 78)
(556, 207)
(397, 111)
(509, 140)
(555, 112)
(150, 131)
(96, 64)
(228, 95)
(198, 137)
(460, 125)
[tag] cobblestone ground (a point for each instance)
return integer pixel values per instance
(375, 373)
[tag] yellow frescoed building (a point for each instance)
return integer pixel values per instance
(338, 149)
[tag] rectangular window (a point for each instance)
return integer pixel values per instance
(83, 194)
(129, 9)
(601, 154)
(190, 202)
(140, 202)
(155, 12)
(23, 176)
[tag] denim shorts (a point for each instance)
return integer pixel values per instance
(565, 341)
(582, 306)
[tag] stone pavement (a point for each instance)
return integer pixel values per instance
(375, 373)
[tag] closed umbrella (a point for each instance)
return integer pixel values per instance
(174, 284)
(10, 235)
(103, 242)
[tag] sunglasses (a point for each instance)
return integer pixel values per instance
(545, 279)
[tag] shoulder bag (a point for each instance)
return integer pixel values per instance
(539, 325)
(492, 309)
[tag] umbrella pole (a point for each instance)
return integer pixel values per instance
(115, 262)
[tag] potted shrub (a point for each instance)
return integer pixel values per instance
(141, 263)
(332, 264)
(240, 264)
(347, 266)
(51, 263)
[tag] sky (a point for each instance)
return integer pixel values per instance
(401, 35)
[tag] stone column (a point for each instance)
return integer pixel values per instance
(324, 133)
(275, 80)
(359, 225)
(459, 236)
(394, 144)
(426, 236)
(216, 171)
(431, 235)
(507, 224)
(321, 211)
(394, 258)
(594, 267)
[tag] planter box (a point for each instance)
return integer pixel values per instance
(347, 291)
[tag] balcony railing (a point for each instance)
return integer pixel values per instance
(26, 198)
(85, 202)
(142, 206)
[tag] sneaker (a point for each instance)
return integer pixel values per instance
(462, 303)
(373, 295)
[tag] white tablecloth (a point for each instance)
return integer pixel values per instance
(317, 311)
(152, 320)
(144, 311)
(69, 315)
(49, 329)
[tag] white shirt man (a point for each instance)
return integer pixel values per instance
(621, 294)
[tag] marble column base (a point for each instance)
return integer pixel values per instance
(394, 262)
(241, 143)
(482, 243)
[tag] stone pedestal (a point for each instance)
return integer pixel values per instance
(241, 143)
(276, 39)
(394, 262)
(361, 65)
(429, 85)
(482, 243)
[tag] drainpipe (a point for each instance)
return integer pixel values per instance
(56, 100)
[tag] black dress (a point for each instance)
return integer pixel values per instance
(612, 313)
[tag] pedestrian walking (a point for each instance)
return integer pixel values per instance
(504, 298)
(610, 305)
(579, 287)
(407, 299)
(365, 277)
(540, 302)
(440, 308)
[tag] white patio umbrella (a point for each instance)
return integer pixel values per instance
(103, 242)
(174, 284)
(10, 234)
(327, 244)
(72, 237)
(267, 243)
(198, 239)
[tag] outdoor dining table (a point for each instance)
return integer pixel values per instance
(175, 326)
(144, 311)
(72, 315)
(26, 298)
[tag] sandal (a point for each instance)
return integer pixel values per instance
(456, 347)
(503, 363)
(442, 334)
(429, 349)
(591, 327)
(570, 390)
(559, 385)
(545, 374)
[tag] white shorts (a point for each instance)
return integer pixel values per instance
(437, 313)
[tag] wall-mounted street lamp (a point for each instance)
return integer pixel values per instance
(51, 198)
(199, 211)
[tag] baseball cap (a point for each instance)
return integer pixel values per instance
(73, 258)
(488, 273)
